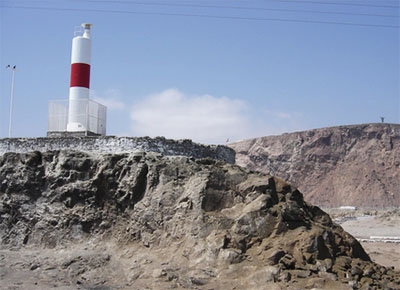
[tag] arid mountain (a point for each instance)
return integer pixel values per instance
(355, 165)
(76, 220)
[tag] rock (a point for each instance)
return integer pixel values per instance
(355, 165)
(112, 144)
(353, 284)
(324, 265)
(266, 274)
(300, 273)
(276, 256)
(287, 261)
(369, 271)
(231, 256)
(285, 276)
(148, 221)
(326, 275)
(356, 271)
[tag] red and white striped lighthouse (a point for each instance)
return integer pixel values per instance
(80, 80)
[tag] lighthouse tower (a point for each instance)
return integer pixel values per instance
(80, 80)
(79, 116)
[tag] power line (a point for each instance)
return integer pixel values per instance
(342, 3)
(238, 8)
(276, 2)
(193, 5)
(207, 16)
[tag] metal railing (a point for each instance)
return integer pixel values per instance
(92, 116)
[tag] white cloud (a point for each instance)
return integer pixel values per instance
(111, 99)
(204, 118)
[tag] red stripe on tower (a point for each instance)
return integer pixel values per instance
(80, 75)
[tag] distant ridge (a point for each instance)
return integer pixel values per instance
(356, 165)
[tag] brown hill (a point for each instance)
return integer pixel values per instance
(76, 220)
(355, 165)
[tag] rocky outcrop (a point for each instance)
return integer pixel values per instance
(112, 144)
(355, 165)
(146, 221)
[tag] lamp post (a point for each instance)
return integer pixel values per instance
(11, 98)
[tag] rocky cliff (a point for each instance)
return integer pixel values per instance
(80, 220)
(349, 165)
(112, 144)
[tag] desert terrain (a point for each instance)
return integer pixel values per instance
(377, 230)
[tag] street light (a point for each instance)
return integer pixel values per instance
(11, 98)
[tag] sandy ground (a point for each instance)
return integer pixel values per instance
(365, 224)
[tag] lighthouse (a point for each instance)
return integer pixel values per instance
(79, 81)
(79, 115)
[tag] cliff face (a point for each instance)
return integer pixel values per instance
(145, 221)
(112, 144)
(349, 165)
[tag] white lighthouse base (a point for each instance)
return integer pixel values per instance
(89, 119)
(75, 127)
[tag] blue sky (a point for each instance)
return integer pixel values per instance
(206, 70)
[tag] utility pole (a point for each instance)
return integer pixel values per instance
(11, 98)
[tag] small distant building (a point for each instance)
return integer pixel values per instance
(79, 115)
